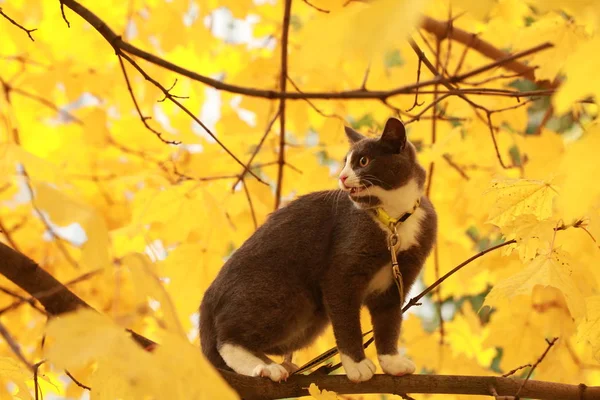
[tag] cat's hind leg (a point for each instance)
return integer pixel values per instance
(244, 362)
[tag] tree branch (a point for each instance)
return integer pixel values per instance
(445, 30)
(502, 59)
(15, 23)
(282, 84)
(260, 388)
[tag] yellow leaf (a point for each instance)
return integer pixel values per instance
(175, 367)
(533, 237)
(63, 210)
(79, 337)
(578, 67)
(519, 197)
(149, 286)
(334, 37)
(192, 376)
(14, 371)
(577, 171)
(316, 393)
(589, 329)
(553, 270)
(565, 35)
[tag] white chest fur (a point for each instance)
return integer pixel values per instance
(396, 202)
(408, 233)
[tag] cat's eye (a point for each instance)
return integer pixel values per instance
(364, 161)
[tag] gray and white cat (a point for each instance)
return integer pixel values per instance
(318, 260)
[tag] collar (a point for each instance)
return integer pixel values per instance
(390, 222)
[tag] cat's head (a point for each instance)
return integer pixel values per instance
(377, 171)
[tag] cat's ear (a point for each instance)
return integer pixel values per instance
(353, 136)
(394, 134)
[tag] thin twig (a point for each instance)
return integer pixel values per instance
(313, 106)
(7, 235)
(15, 23)
(416, 102)
(143, 118)
(494, 78)
(57, 239)
(435, 284)
(81, 385)
(550, 344)
(545, 119)
(9, 89)
(256, 149)
(250, 204)
(315, 7)
(512, 371)
(429, 24)
(36, 368)
(62, 11)
(14, 346)
(455, 166)
(282, 87)
(174, 100)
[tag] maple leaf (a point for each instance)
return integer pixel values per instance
(519, 197)
(554, 270)
(319, 394)
(589, 329)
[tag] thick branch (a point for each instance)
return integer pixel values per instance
(26, 274)
(54, 296)
(296, 386)
(502, 59)
(444, 30)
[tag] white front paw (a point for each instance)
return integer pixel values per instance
(395, 364)
(358, 371)
(275, 372)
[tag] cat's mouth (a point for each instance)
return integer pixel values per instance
(357, 189)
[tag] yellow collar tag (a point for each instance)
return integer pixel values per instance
(390, 222)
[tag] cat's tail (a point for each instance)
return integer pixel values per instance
(208, 339)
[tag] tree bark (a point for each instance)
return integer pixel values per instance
(260, 388)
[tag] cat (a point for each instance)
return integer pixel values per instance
(318, 260)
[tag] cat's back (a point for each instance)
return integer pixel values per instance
(296, 238)
(305, 222)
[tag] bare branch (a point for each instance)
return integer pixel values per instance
(507, 61)
(6, 233)
(416, 102)
(256, 150)
(250, 204)
(512, 371)
(57, 239)
(14, 346)
(471, 41)
(15, 23)
(457, 167)
(183, 108)
(81, 385)
(315, 7)
(62, 11)
(533, 367)
(282, 88)
(137, 107)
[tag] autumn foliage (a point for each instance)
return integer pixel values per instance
(131, 175)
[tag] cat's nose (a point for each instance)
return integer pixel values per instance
(343, 178)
